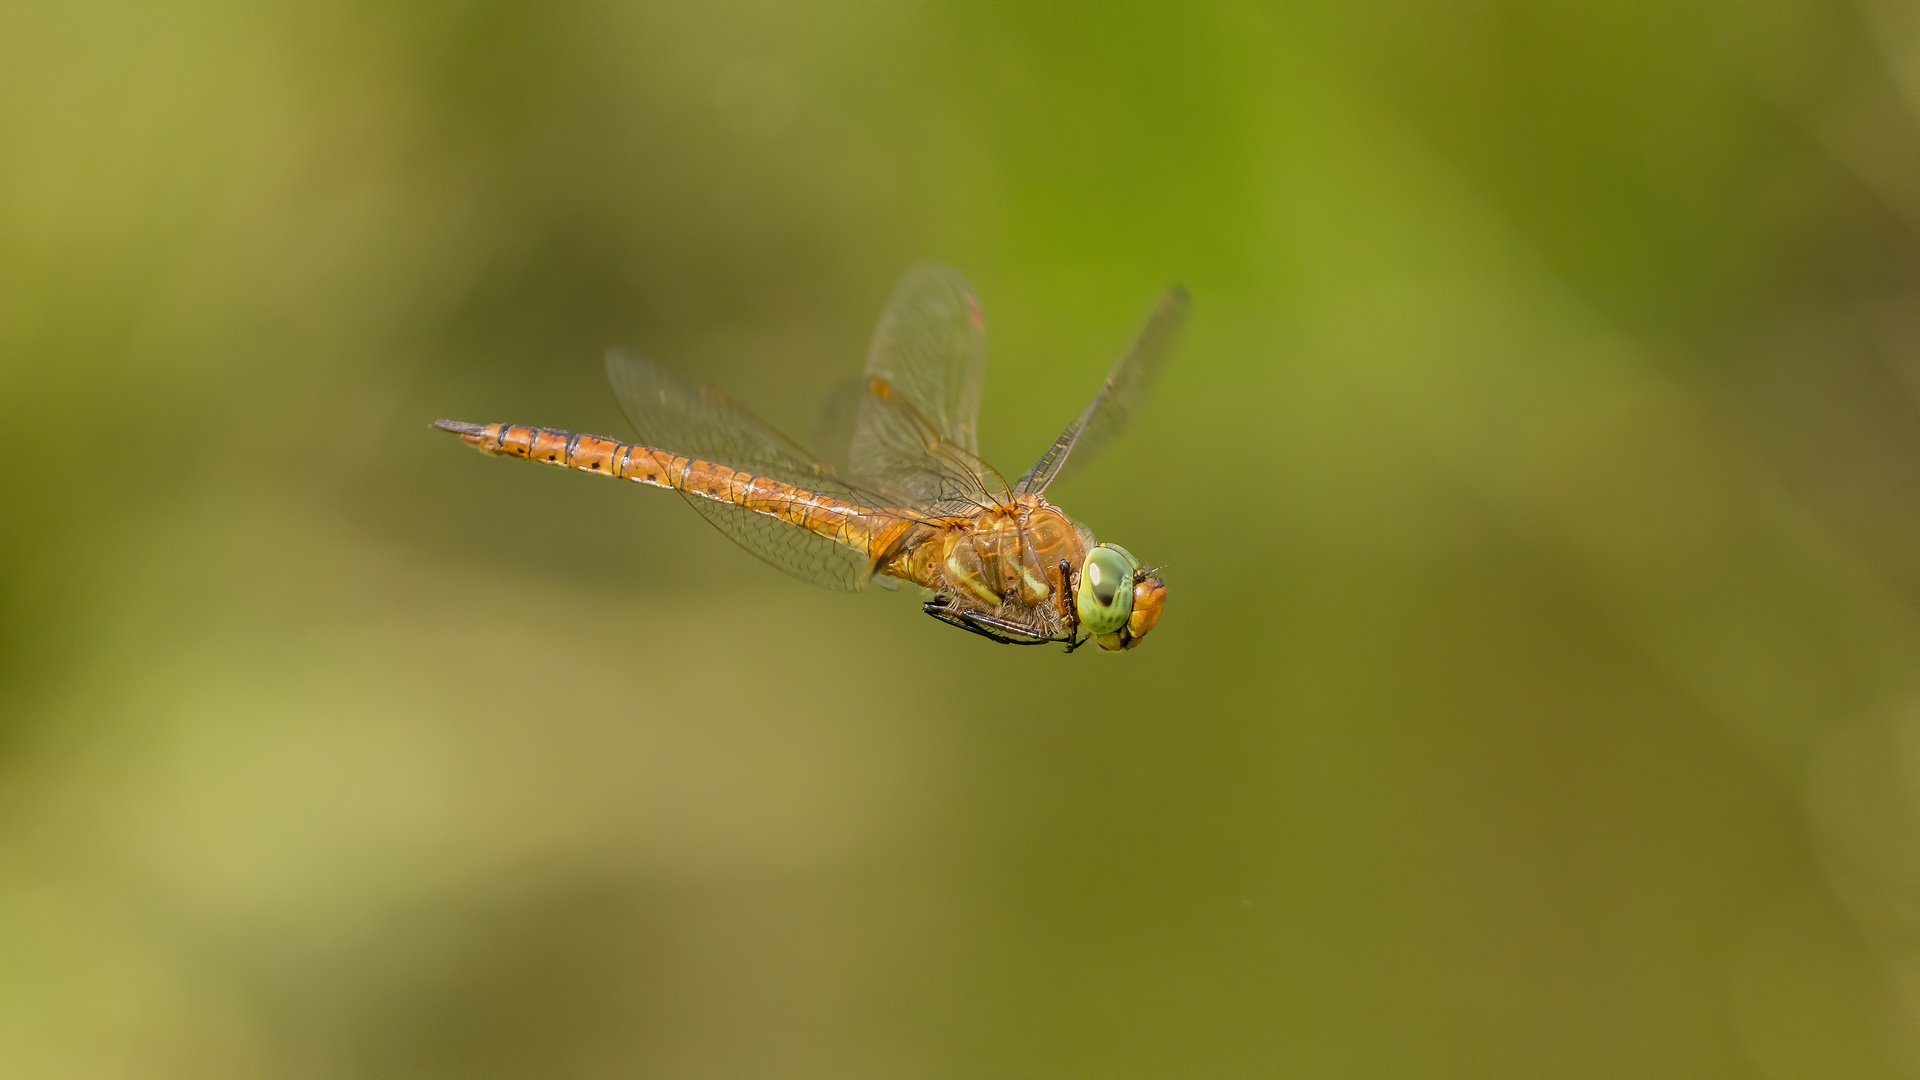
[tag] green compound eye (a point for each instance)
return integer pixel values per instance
(1106, 590)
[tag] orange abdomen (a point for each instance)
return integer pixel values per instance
(856, 527)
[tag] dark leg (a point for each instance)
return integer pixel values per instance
(987, 626)
(1068, 616)
(959, 619)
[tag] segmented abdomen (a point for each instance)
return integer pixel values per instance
(820, 514)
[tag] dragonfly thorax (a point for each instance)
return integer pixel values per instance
(1002, 556)
(1029, 569)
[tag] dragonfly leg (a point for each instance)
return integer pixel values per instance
(987, 626)
(1068, 616)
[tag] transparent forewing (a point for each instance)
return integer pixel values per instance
(930, 346)
(873, 436)
(1109, 410)
(899, 450)
(909, 426)
(673, 412)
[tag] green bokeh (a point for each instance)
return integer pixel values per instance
(1538, 486)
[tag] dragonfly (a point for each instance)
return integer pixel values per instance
(901, 494)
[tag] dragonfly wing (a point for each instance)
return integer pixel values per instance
(930, 346)
(673, 412)
(897, 448)
(1109, 410)
(792, 550)
(909, 426)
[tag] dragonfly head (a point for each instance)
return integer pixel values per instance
(1117, 602)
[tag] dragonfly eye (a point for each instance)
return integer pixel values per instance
(1106, 590)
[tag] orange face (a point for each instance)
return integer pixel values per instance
(1149, 593)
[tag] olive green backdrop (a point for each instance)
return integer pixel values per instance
(1538, 486)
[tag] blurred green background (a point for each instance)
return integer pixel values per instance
(1538, 486)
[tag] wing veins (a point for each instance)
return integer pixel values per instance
(1107, 414)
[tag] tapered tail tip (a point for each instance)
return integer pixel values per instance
(460, 427)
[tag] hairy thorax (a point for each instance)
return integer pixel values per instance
(1001, 558)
